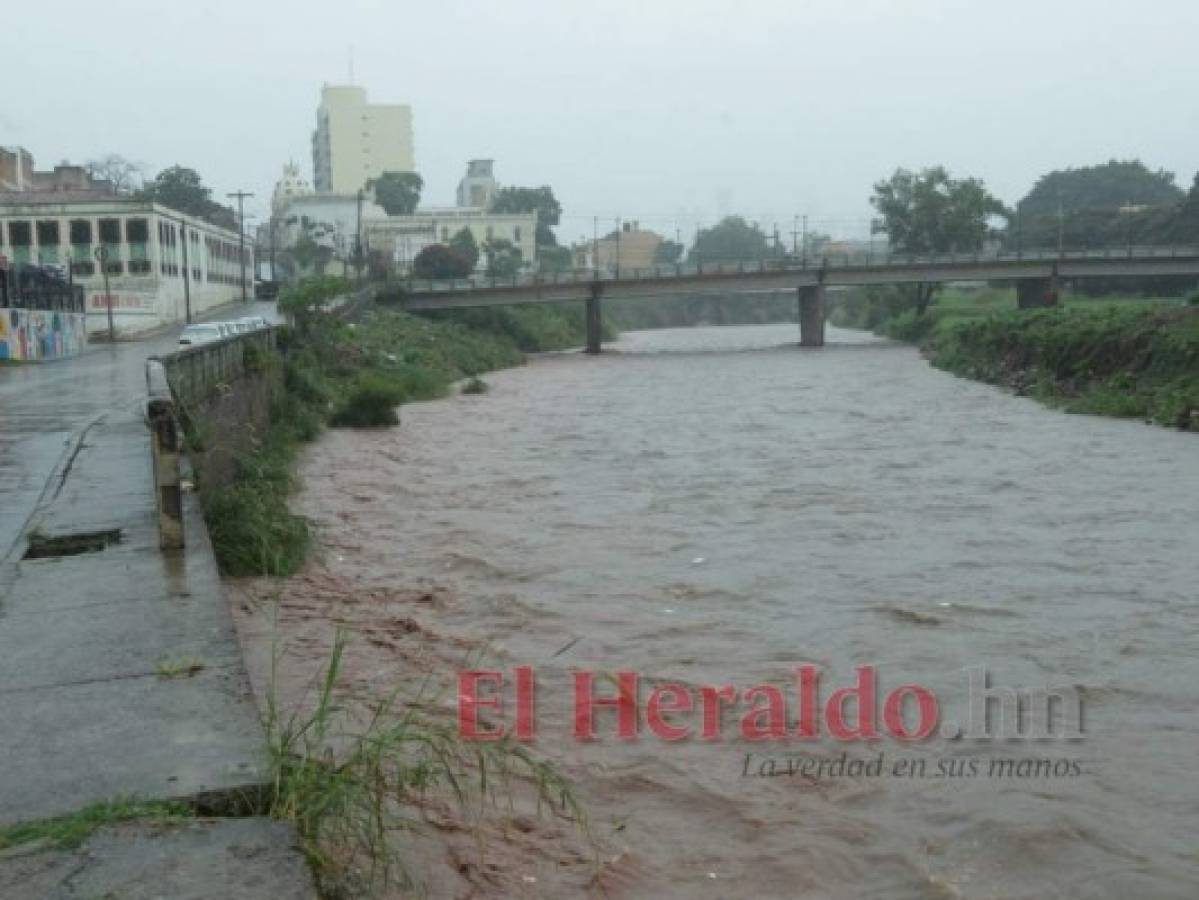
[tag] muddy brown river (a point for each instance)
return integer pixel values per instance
(714, 506)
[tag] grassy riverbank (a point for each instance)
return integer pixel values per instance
(1128, 357)
(343, 374)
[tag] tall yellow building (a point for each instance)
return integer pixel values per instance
(356, 141)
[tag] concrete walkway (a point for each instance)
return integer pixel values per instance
(87, 714)
(247, 859)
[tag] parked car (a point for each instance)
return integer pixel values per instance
(201, 334)
(266, 290)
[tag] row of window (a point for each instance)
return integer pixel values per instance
(20, 233)
(137, 231)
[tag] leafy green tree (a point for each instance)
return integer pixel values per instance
(1185, 227)
(730, 240)
(503, 258)
(440, 261)
(540, 200)
(815, 244)
(555, 259)
(308, 253)
(397, 192)
(668, 253)
(181, 189)
(931, 212)
(1109, 205)
(464, 242)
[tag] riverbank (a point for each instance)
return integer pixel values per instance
(702, 515)
(353, 374)
(1123, 357)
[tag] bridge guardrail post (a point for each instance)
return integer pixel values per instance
(166, 446)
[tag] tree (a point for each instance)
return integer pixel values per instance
(464, 242)
(182, 190)
(731, 240)
(814, 243)
(668, 253)
(307, 252)
(124, 176)
(540, 200)
(1185, 227)
(555, 259)
(503, 258)
(931, 212)
(440, 261)
(397, 192)
(1109, 205)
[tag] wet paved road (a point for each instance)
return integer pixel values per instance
(42, 405)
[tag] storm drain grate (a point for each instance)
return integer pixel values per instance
(43, 547)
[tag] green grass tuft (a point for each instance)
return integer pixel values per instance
(370, 403)
(71, 831)
(351, 805)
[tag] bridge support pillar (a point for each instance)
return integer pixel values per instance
(811, 316)
(1036, 293)
(595, 322)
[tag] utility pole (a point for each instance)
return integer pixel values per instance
(1131, 213)
(241, 236)
(617, 267)
(595, 245)
(272, 225)
(1061, 225)
(358, 244)
(795, 237)
(805, 242)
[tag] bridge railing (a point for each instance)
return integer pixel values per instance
(864, 260)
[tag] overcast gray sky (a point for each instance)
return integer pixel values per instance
(661, 110)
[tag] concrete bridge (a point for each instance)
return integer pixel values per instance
(1035, 273)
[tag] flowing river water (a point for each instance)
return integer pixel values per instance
(714, 505)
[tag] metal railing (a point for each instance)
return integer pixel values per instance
(39, 287)
(195, 371)
(861, 260)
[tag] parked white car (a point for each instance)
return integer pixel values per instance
(201, 334)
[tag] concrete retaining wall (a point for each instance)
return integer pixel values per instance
(223, 391)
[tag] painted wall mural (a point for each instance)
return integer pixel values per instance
(33, 334)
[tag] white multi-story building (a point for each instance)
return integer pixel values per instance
(160, 263)
(356, 141)
(331, 220)
(402, 237)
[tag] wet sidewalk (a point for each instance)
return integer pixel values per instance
(120, 671)
(83, 638)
